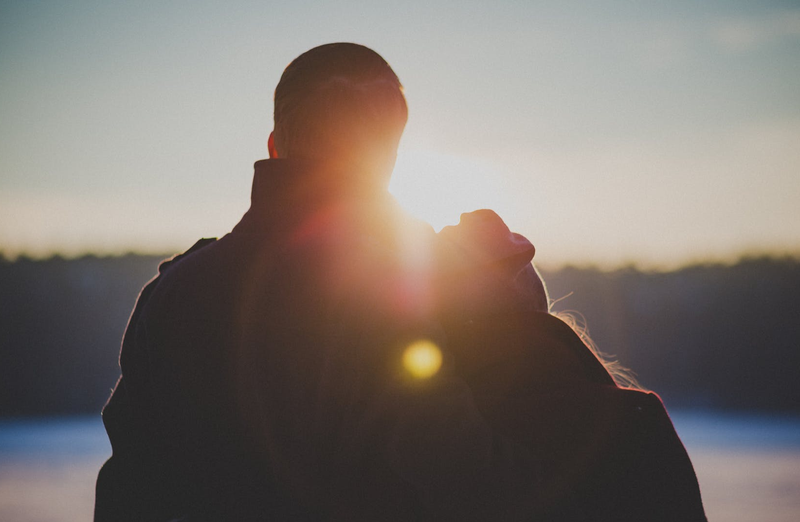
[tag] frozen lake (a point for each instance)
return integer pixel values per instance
(748, 466)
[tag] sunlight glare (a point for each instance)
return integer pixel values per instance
(438, 188)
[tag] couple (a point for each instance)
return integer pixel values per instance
(333, 359)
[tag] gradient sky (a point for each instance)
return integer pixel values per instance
(607, 132)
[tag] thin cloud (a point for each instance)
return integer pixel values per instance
(741, 35)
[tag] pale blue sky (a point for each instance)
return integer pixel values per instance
(607, 132)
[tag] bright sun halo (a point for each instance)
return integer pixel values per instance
(438, 188)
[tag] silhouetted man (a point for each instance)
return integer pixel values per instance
(301, 368)
(295, 369)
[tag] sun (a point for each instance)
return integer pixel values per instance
(438, 188)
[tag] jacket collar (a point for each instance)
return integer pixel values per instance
(285, 191)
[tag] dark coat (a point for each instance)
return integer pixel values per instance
(610, 454)
(262, 374)
(262, 379)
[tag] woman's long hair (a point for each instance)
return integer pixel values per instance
(623, 377)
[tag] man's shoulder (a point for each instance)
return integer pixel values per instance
(200, 244)
(198, 282)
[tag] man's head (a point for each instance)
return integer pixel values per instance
(342, 103)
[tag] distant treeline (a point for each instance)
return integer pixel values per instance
(706, 336)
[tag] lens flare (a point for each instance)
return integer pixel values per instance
(422, 359)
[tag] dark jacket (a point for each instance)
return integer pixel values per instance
(609, 453)
(262, 374)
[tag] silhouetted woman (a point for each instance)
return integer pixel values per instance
(609, 452)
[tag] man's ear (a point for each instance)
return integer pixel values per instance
(273, 152)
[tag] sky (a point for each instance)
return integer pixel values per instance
(607, 132)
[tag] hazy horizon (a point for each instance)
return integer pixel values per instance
(545, 265)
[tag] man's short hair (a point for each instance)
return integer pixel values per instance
(339, 100)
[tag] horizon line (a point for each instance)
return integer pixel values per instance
(744, 256)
